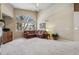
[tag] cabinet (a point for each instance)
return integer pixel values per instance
(76, 7)
(7, 10)
(7, 36)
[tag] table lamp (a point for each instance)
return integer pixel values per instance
(2, 23)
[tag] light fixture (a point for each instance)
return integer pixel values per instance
(0, 32)
(2, 23)
(37, 6)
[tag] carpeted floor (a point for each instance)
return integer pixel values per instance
(37, 46)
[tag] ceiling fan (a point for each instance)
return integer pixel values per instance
(37, 7)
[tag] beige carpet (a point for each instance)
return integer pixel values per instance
(37, 46)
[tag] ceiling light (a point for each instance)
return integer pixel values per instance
(37, 4)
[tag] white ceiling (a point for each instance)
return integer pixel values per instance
(32, 6)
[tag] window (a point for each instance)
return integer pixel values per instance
(25, 23)
(42, 26)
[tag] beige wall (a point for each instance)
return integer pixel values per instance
(11, 23)
(59, 18)
(7, 9)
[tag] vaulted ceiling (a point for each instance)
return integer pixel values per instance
(32, 6)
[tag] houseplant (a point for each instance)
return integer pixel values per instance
(55, 36)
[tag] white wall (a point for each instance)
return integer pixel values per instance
(59, 18)
(76, 25)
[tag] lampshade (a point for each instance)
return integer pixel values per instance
(0, 31)
(2, 23)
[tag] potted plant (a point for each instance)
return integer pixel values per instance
(55, 36)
